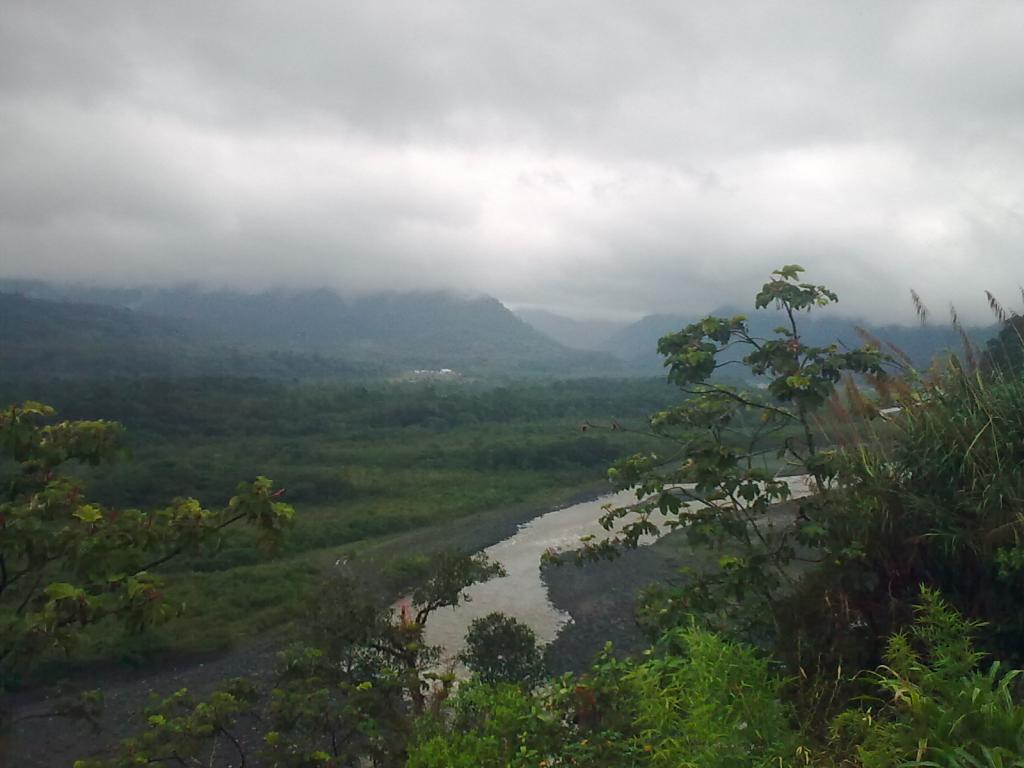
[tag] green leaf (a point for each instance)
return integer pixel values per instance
(61, 590)
(88, 513)
(789, 272)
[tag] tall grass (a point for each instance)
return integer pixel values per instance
(928, 491)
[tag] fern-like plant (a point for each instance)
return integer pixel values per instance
(937, 706)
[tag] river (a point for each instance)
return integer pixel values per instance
(521, 593)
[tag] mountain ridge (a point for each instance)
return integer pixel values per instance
(572, 332)
(392, 331)
(636, 343)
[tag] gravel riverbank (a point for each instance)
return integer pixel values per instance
(602, 598)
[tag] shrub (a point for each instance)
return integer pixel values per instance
(935, 704)
(705, 701)
(492, 726)
(938, 499)
(500, 649)
(698, 700)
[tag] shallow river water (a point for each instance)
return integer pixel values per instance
(522, 593)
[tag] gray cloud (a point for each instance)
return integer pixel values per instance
(596, 158)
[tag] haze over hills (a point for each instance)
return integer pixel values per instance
(190, 331)
(45, 339)
(577, 334)
(636, 344)
(318, 332)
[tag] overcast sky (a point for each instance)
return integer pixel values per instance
(595, 158)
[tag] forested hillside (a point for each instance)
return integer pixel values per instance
(183, 331)
(44, 339)
(388, 332)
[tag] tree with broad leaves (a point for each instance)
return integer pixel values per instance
(67, 563)
(719, 487)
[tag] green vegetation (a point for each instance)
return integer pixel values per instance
(697, 701)
(722, 494)
(1006, 350)
(500, 649)
(873, 622)
(836, 630)
(361, 462)
(67, 563)
(346, 693)
(54, 330)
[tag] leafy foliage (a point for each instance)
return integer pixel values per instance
(721, 489)
(704, 701)
(500, 649)
(928, 491)
(870, 592)
(936, 706)
(348, 692)
(1006, 350)
(66, 562)
(180, 726)
(491, 725)
(697, 701)
(935, 497)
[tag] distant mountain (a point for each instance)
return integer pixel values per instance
(387, 331)
(25, 320)
(576, 334)
(52, 329)
(43, 339)
(636, 344)
(305, 321)
(436, 327)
